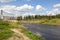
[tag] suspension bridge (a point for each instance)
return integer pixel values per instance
(4, 14)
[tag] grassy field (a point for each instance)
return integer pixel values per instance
(55, 21)
(4, 30)
(52, 22)
(6, 33)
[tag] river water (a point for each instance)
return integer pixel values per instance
(49, 32)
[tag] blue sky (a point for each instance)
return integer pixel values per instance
(45, 3)
(45, 6)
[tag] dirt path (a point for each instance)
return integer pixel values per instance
(23, 37)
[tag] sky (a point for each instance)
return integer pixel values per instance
(30, 7)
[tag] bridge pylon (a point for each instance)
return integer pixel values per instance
(1, 14)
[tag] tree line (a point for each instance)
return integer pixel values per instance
(38, 17)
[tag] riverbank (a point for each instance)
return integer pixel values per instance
(49, 32)
(13, 31)
(43, 21)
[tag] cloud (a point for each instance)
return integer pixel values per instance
(25, 7)
(39, 7)
(53, 12)
(28, 0)
(8, 8)
(2, 1)
(19, 8)
(56, 5)
(12, 9)
(50, 13)
(25, 10)
(28, 13)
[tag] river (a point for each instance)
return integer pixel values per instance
(49, 32)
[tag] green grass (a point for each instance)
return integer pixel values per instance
(32, 35)
(55, 21)
(5, 33)
(4, 25)
(52, 22)
(27, 33)
(31, 21)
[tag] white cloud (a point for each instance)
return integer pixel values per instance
(20, 8)
(50, 13)
(53, 12)
(8, 8)
(39, 7)
(11, 9)
(56, 5)
(25, 7)
(28, 0)
(28, 13)
(6, 1)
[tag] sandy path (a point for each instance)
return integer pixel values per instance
(24, 37)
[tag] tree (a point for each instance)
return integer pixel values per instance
(19, 18)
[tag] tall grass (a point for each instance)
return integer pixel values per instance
(5, 33)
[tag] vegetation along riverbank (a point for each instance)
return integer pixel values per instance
(13, 31)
